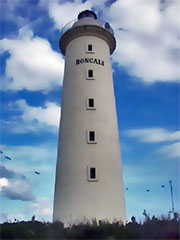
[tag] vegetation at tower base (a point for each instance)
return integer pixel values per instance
(153, 228)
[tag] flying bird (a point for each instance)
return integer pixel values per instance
(122, 29)
(147, 190)
(1, 151)
(162, 186)
(126, 188)
(37, 173)
(8, 157)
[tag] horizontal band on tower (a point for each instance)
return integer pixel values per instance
(88, 30)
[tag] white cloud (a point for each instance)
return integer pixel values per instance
(32, 65)
(27, 159)
(153, 135)
(18, 190)
(29, 169)
(148, 47)
(6, 173)
(159, 135)
(49, 114)
(3, 183)
(145, 13)
(66, 12)
(42, 207)
(33, 118)
(30, 153)
(171, 151)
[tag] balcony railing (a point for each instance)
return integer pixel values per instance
(102, 23)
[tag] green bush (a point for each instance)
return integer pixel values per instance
(151, 229)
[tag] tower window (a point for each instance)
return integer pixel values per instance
(91, 137)
(90, 104)
(92, 174)
(90, 73)
(90, 48)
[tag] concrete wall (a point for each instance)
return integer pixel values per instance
(75, 196)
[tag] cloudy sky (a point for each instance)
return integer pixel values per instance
(146, 86)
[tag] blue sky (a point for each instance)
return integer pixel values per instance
(146, 86)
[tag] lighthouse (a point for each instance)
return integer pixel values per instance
(89, 182)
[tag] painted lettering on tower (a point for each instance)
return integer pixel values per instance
(90, 60)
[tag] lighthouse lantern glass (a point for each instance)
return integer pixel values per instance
(87, 13)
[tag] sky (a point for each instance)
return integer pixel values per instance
(146, 77)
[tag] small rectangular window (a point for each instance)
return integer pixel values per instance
(90, 73)
(89, 47)
(92, 174)
(90, 104)
(91, 137)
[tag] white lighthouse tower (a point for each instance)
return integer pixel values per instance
(89, 179)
